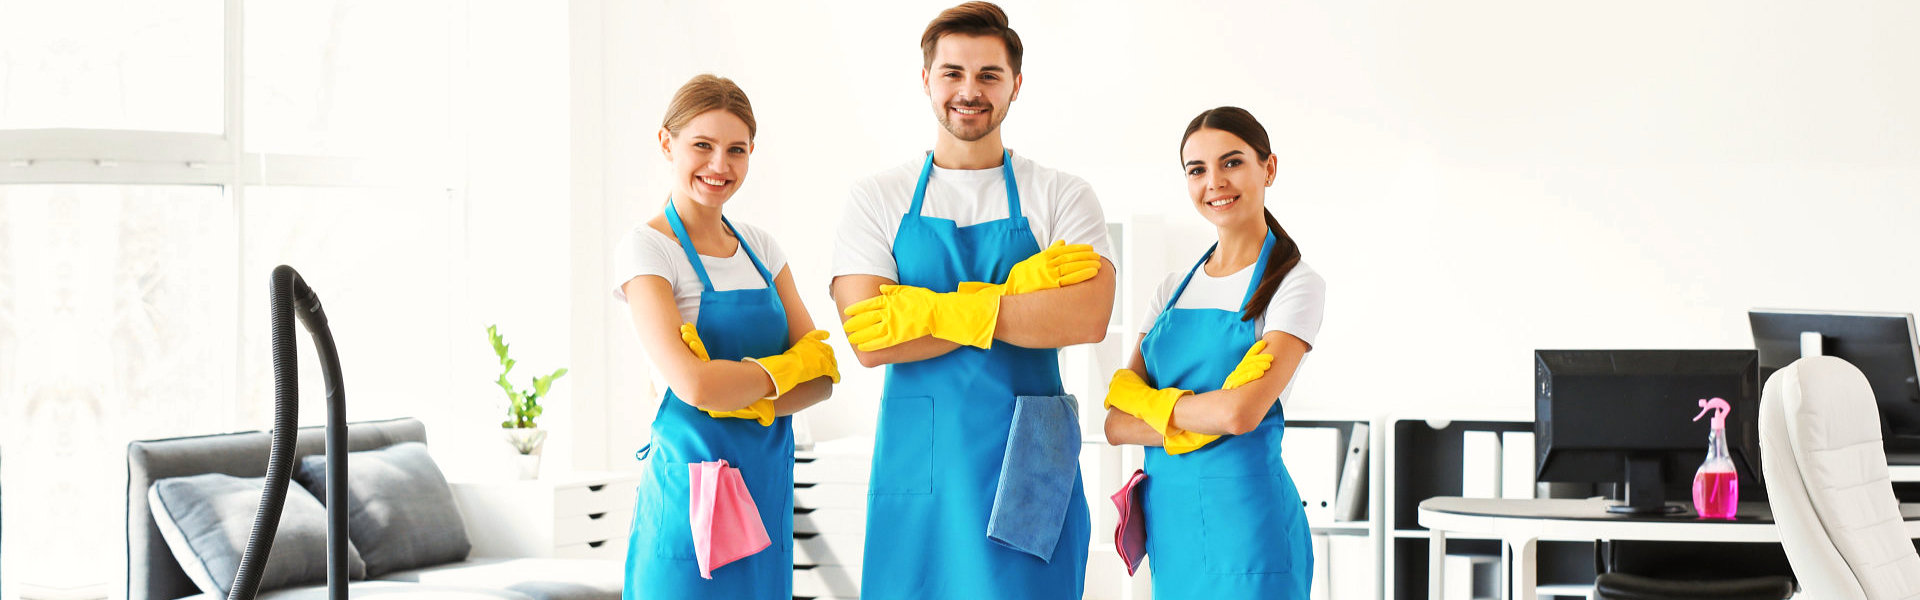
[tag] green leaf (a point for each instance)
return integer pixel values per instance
(541, 384)
(499, 343)
(507, 424)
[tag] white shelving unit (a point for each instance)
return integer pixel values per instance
(1346, 550)
(1486, 467)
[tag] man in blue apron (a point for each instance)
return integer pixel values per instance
(940, 263)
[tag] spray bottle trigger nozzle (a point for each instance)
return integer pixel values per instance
(1715, 404)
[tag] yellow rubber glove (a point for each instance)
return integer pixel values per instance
(1252, 366)
(902, 313)
(1182, 441)
(1057, 266)
(1131, 394)
(760, 410)
(692, 338)
(809, 359)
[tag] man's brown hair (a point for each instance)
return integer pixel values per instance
(971, 19)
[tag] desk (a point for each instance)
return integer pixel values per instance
(1522, 523)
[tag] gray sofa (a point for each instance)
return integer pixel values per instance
(154, 574)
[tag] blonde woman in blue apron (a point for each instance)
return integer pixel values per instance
(724, 327)
(1206, 386)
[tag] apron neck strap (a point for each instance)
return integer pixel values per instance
(744, 247)
(1183, 283)
(1259, 267)
(1259, 270)
(1006, 175)
(686, 245)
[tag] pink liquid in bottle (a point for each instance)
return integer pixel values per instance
(1716, 494)
(1716, 486)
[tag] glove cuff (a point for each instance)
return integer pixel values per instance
(1160, 409)
(966, 319)
(778, 389)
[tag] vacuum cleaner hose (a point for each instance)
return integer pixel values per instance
(290, 296)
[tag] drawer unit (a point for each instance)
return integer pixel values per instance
(829, 522)
(580, 515)
(829, 495)
(826, 582)
(832, 549)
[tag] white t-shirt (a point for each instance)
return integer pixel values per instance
(646, 251)
(1058, 206)
(1296, 308)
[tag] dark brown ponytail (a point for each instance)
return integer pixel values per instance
(1285, 253)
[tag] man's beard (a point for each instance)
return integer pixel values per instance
(959, 131)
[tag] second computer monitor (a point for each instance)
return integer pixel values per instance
(1881, 345)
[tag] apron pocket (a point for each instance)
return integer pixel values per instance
(672, 534)
(1248, 523)
(903, 460)
(1173, 526)
(774, 496)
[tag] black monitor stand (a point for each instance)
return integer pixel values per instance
(1646, 495)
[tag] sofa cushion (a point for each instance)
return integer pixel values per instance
(207, 518)
(539, 578)
(152, 572)
(400, 511)
(385, 590)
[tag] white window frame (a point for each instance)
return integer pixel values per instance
(156, 158)
(136, 157)
(112, 156)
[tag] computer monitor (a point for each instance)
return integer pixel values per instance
(1881, 345)
(1625, 416)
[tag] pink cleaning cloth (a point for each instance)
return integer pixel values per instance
(726, 524)
(1130, 536)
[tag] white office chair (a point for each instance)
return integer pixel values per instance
(1827, 482)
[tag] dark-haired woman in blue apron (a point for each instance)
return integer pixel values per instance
(722, 324)
(1205, 388)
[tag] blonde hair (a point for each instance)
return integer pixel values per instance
(703, 93)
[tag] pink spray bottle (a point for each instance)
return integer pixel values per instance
(1716, 486)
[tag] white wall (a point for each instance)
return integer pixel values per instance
(514, 110)
(1475, 179)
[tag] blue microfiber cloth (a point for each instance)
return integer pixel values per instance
(1037, 475)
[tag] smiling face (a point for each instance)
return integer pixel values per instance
(709, 157)
(970, 84)
(1225, 178)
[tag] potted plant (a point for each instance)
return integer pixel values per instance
(523, 407)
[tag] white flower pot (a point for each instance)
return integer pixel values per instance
(526, 444)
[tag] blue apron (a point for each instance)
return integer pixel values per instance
(734, 324)
(1223, 522)
(943, 434)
